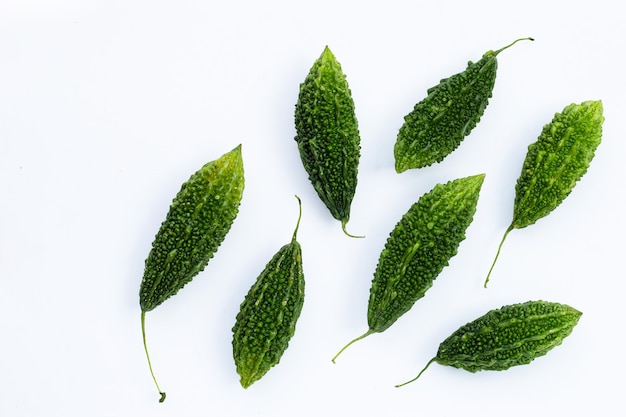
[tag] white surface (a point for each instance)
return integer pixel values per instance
(106, 107)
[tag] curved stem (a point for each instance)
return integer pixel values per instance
(418, 375)
(343, 227)
(512, 43)
(497, 254)
(295, 232)
(145, 347)
(364, 335)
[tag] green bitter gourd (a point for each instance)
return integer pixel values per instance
(510, 336)
(198, 220)
(417, 250)
(555, 163)
(438, 124)
(267, 318)
(327, 135)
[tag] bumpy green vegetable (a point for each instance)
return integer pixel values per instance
(439, 122)
(555, 163)
(268, 315)
(510, 336)
(198, 220)
(328, 136)
(418, 249)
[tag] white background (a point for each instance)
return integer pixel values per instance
(106, 107)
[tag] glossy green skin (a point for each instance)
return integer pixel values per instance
(557, 161)
(438, 124)
(510, 336)
(268, 315)
(198, 220)
(327, 135)
(419, 247)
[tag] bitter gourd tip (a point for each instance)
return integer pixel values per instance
(327, 57)
(400, 166)
(364, 335)
(145, 346)
(418, 375)
(506, 233)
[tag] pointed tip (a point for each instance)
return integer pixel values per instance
(400, 168)
(478, 179)
(234, 154)
(327, 53)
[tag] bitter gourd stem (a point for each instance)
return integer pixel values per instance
(295, 232)
(498, 253)
(343, 226)
(512, 43)
(364, 335)
(145, 346)
(418, 375)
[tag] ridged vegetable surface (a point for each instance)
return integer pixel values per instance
(327, 135)
(198, 220)
(438, 124)
(555, 163)
(418, 248)
(267, 318)
(510, 336)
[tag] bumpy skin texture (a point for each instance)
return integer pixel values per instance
(198, 220)
(557, 161)
(510, 336)
(268, 315)
(328, 136)
(439, 123)
(419, 247)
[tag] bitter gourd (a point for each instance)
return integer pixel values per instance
(327, 135)
(438, 124)
(510, 336)
(555, 163)
(267, 318)
(418, 248)
(198, 220)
